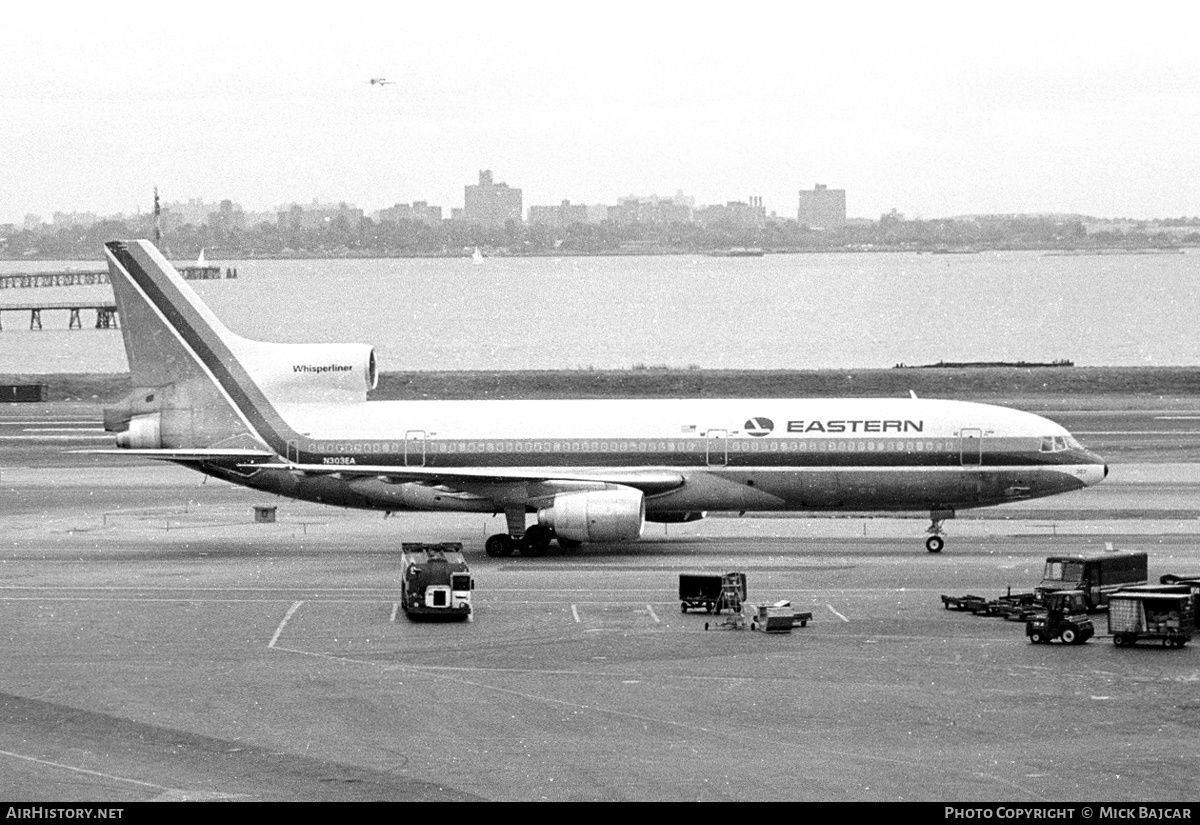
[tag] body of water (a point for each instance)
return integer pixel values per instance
(787, 311)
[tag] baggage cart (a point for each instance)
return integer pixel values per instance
(1167, 617)
(780, 617)
(968, 602)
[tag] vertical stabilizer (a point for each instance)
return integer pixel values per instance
(172, 340)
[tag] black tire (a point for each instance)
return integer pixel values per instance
(499, 546)
(1037, 638)
(537, 540)
(1119, 640)
(934, 544)
(1070, 636)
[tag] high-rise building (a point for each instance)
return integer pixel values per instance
(491, 204)
(822, 208)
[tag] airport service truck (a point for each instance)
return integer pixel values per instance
(435, 581)
(1096, 576)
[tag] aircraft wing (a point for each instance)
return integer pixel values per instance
(185, 454)
(648, 480)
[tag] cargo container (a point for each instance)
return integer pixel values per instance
(1149, 614)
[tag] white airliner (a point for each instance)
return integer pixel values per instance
(293, 419)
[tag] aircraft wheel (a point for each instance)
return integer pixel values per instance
(934, 544)
(499, 546)
(537, 540)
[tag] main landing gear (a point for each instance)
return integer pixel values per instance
(528, 541)
(535, 542)
(935, 542)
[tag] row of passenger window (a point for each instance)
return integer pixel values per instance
(691, 446)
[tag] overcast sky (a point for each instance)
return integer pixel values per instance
(934, 109)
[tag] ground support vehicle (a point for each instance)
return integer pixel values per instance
(435, 580)
(1014, 607)
(1096, 576)
(780, 617)
(972, 603)
(1065, 618)
(1179, 578)
(1168, 617)
(1018, 607)
(733, 594)
(712, 593)
(1192, 583)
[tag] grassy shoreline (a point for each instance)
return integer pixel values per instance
(1035, 388)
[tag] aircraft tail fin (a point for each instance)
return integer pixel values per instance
(181, 359)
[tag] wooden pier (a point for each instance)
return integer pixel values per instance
(106, 312)
(72, 277)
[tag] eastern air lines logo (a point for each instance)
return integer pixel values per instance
(759, 426)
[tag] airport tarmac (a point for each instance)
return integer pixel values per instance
(161, 644)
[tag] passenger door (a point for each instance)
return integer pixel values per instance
(970, 447)
(716, 448)
(414, 448)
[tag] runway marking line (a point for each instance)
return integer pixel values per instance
(286, 618)
(90, 772)
(839, 615)
(653, 615)
(575, 613)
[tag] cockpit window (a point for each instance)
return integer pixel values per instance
(1058, 443)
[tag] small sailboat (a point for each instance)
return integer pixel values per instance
(477, 256)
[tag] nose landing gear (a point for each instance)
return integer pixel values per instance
(935, 542)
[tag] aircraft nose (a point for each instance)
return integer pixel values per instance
(1095, 472)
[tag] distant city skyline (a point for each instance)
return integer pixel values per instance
(932, 109)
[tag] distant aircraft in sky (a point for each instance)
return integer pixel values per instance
(381, 81)
(293, 419)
